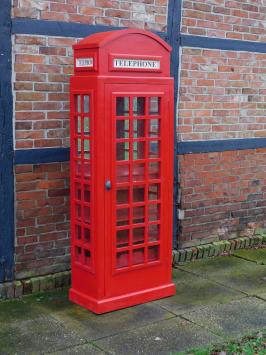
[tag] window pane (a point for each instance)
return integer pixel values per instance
(87, 257)
(122, 238)
(138, 150)
(154, 192)
(154, 253)
(138, 128)
(122, 106)
(138, 235)
(138, 172)
(77, 103)
(138, 193)
(154, 170)
(122, 173)
(78, 125)
(78, 232)
(86, 104)
(87, 193)
(86, 125)
(154, 149)
(122, 129)
(86, 149)
(139, 106)
(87, 235)
(154, 212)
(154, 129)
(87, 216)
(122, 195)
(154, 106)
(153, 232)
(122, 217)
(138, 256)
(122, 259)
(122, 151)
(138, 214)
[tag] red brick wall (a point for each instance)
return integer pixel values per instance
(238, 19)
(42, 66)
(222, 95)
(42, 219)
(148, 14)
(221, 194)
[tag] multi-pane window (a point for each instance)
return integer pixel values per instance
(137, 180)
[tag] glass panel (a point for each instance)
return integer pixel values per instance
(154, 170)
(78, 168)
(78, 125)
(87, 169)
(78, 105)
(78, 147)
(86, 104)
(138, 256)
(122, 259)
(138, 193)
(78, 192)
(87, 216)
(87, 193)
(86, 149)
(122, 217)
(122, 151)
(138, 106)
(138, 150)
(87, 257)
(153, 192)
(154, 106)
(122, 173)
(86, 125)
(154, 149)
(122, 106)
(78, 211)
(138, 128)
(138, 172)
(122, 129)
(122, 195)
(78, 232)
(153, 232)
(154, 253)
(138, 214)
(122, 238)
(87, 235)
(138, 235)
(154, 212)
(78, 254)
(154, 129)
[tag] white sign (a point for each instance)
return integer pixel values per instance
(128, 63)
(84, 62)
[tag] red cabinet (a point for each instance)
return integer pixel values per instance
(121, 170)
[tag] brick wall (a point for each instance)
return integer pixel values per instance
(42, 219)
(148, 14)
(238, 19)
(42, 66)
(222, 95)
(223, 195)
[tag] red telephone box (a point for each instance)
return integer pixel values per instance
(121, 170)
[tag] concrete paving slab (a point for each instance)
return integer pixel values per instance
(86, 349)
(239, 274)
(92, 326)
(194, 291)
(36, 336)
(164, 337)
(256, 255)
(237, 318)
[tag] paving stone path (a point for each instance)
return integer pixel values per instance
(217, 299)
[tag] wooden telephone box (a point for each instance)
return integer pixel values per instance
(121, 170)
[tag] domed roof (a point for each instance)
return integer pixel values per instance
(101, 39)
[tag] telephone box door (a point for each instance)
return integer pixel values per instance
(138, 187)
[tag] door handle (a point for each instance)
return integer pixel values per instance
(108, 185)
